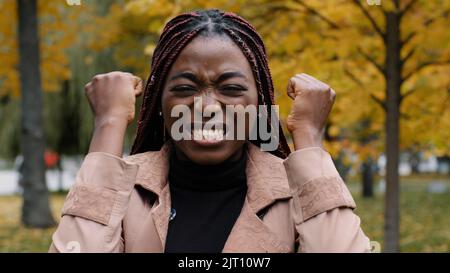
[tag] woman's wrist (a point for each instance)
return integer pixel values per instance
(108, 136)
(119, 123)
(306, 139)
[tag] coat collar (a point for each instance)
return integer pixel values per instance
(266, 176)
(266, 183)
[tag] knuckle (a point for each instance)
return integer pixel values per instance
(97, 78)
(111, 75)
(118, 75)
(333, 93)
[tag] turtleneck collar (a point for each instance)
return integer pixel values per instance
(192, 176)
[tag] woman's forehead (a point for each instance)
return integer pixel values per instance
(211, 53)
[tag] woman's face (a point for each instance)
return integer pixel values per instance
(215, 70)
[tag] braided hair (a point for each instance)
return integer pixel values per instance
(177, 33)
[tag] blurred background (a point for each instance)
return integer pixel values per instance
(389, 133)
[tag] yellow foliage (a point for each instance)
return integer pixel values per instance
(57, 33)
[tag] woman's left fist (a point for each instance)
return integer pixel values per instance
(313, 101)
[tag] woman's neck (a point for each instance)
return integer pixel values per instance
(182, 157)
(185, 173)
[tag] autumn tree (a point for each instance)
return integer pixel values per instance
(34, 40)
(36, 210)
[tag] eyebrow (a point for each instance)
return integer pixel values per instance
(224, 76)
(230, 74)
(187, 75)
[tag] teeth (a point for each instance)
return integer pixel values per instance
(210, 135)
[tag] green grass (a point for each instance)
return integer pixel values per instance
(425, 221)
(14, 237)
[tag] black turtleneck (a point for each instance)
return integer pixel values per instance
(206, 201)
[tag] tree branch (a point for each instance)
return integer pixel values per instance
(308, 8)
(408, 55)
(422, 66)
(428, 22)
(353, 77)
(409, 93)
(379, 101)
(396, 4)
(407, 8)
(445, 13)
(408, 38)
(361, 84)
(372, 61)
(371, 19)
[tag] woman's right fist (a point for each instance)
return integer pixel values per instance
(112, 96)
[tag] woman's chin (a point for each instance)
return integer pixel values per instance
(207, 152)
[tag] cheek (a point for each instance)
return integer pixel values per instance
(253, 100)
(164, 101)
(253, 97)
(167, 103)
(245, 120)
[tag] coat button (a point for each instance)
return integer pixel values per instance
(173, 213)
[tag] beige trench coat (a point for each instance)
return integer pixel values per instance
(297, 205)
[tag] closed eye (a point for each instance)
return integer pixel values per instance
(233, 88)
(183, 88)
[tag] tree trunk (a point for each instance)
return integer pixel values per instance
(68, 142)
(35, 210)
(414, 161)
(393, 82)
(367, 178)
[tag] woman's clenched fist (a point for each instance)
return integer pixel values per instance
(312, 104)
(112, 96)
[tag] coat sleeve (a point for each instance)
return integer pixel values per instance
(95, 206)
(322, 206)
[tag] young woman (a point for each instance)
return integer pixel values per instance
(210, 193)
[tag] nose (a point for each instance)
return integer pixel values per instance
(207, 102)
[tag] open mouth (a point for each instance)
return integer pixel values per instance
(212, 134)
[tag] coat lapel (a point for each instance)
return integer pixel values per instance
(250, 234)
(267, 183)
(152, 176)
